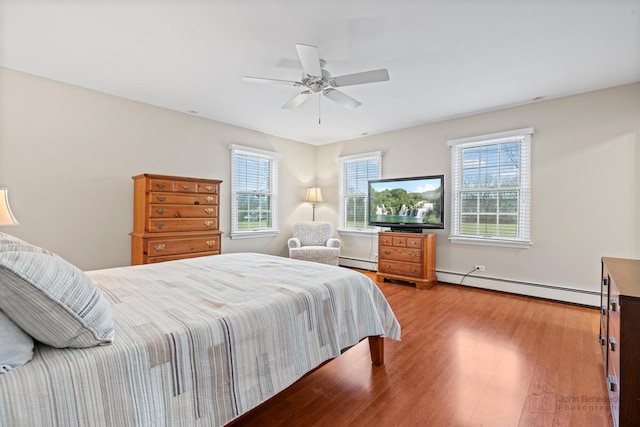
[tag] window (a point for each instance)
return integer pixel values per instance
(254, 192)
(355, 173)
(490, 190)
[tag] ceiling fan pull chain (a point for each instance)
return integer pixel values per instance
(319, 109)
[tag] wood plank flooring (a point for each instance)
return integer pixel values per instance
(468, 357)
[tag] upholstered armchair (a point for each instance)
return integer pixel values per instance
(314, 241)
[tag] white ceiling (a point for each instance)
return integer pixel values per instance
(445, 58)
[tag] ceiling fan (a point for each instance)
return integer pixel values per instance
(315, 79)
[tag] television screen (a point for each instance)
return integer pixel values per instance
(407, 203)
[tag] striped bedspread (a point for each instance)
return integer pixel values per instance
(198, 342)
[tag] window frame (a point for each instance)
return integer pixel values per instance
(523, 188)
(273, 158)
(343, 162)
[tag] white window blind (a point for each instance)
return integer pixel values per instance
(254, 192)
(491, 189)
(355, 173)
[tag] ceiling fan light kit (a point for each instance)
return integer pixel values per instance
(315, 79)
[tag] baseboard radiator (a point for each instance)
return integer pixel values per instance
(538, 290)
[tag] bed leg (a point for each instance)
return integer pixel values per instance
(376, 348)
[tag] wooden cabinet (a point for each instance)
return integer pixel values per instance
(409, 257)
(620, 337)
(174, 218)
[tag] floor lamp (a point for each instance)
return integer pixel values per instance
(314, 194)
(6, 216)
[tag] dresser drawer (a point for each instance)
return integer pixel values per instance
(613, 329)
(185, 187)
(207, 188)
(400, 254)
(183, 199)
(400, 268)
(183, 211)
(414, 242)
(613, 387)
(162, 247)
(160, 185)
(181, 224)
(385, 240)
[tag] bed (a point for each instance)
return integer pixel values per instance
(199, 342)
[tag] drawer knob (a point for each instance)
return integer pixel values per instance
(211, 243)
(208, 211)
(605, 281)
(159, 247)
(612, 343)
(602, 340)
(387, 252)
(613, 385)
(604, 310)
(186, 186)
(208, 223)
(209, 199)
(614, 304)
(209, 187)
(161, 210)
(160, 185)
(161, 198)
(160, 224)
(413, 269)
(412, 255)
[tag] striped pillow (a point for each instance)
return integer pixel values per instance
(52, 300)
(10, 243)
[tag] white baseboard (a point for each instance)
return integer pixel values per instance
(558, 293)
(363, 264)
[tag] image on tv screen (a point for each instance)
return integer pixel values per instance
(406, 201)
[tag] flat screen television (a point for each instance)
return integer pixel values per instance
(407, 204)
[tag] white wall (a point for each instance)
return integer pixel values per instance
(67, 155)
(585, 184)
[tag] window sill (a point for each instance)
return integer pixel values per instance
(490, 241)
(252, 234)
(356, 232)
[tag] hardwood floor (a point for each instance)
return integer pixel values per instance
(468, 357)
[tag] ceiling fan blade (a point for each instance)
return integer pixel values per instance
(297, 100)
(310, 60)
(263, 80)
(372, 76)
(341, 98)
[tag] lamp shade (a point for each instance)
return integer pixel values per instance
(6, 217)
(314, 194)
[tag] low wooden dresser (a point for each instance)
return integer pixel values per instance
(620, 337)
(410, 257)
(173, 218)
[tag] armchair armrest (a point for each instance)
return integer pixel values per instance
(333, 243)
(293, 243)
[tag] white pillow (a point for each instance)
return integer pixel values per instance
(51, 299)
(16, 347)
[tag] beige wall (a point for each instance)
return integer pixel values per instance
(585, 185)
(67, 155)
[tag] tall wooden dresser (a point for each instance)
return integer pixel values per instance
(173, 218)
(408, 257)
(620, 337)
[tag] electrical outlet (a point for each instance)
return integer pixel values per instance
(480, 268)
